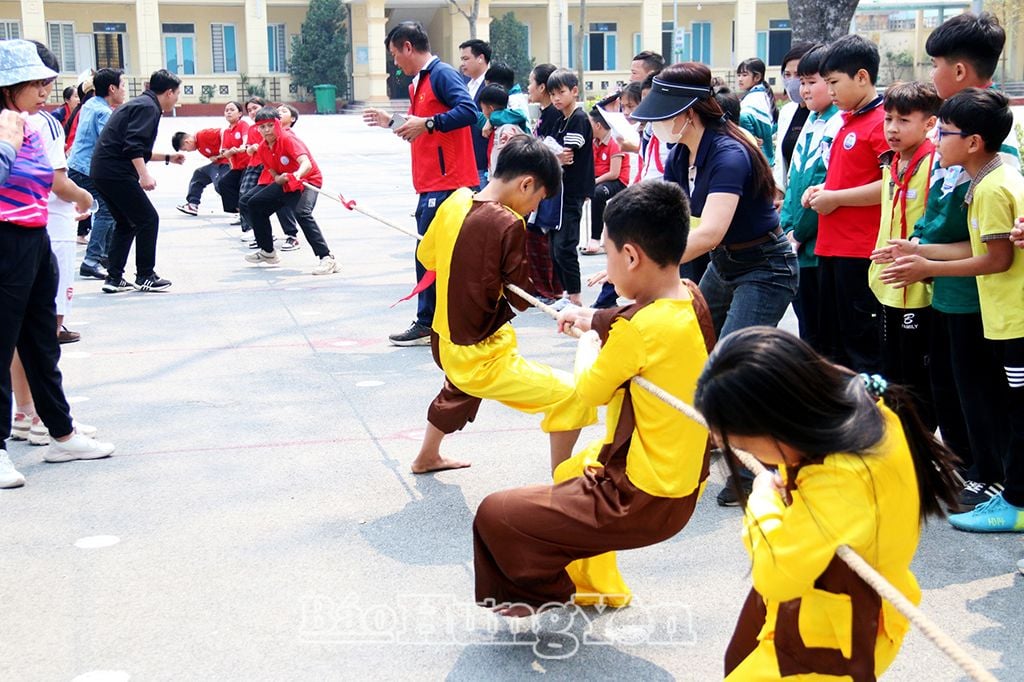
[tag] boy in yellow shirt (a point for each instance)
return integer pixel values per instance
(475, 244)
(973, 125)
(639, 485)
(910, 110)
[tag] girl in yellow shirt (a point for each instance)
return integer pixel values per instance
(855, 467)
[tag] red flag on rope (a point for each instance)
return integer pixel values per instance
(428, 279)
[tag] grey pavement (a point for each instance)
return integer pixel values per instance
(258, 520)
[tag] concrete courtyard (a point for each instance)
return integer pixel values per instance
(258, 520)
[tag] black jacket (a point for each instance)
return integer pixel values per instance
(129, 134)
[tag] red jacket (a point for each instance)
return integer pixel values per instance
(208, 143)
(283, 157)
(442, 160)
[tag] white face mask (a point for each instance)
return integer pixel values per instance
(663, 129)
(792, 86)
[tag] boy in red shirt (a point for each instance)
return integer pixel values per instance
(287, 167)
(208, 143)
(849, 208)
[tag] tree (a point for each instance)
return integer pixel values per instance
(510, 44)
(320, 51)
(896, 64)
(471, 16)
(821, 22)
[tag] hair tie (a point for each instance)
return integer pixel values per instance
(875, 384)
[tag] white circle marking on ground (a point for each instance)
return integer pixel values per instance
(97, 541)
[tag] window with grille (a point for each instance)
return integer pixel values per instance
(62, 44)
(276, 48)
(10, 30)
(224, 59)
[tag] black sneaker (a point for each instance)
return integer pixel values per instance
(727, 496)
(116, 285)
(416, 335)
(152, 283)
(975, 493)
(92, 271)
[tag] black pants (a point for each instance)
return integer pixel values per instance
(806, 305)
(28, 322)
(228, 188)
(564, 257)
(258, 205)
(135, 219)
(602, 193)
(849, 314)
(1011, 352)
(203, 176)
(945, 398)
(906, 338)
(981, 385)
(285, 216)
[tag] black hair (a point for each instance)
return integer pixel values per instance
(527, 155)
(501, 74)
(796, 51)
(648, 82)
(69, 92)
(762, 381)
(595, 114)
(977, 40)
(729, 101)
(478, 47)
(238, 105)
(712, 118)
(653, 61)
(541, 73)
(176, 140)
(256, 100)
(163, 80)
(810, 63)
(633, 92)
(980, 112)
(906, 98)
(755, 65)
(47, 57)
(291, 110)
(105, 79)
(608, 99)
(850, 54)
(494, 95)
(411, 32)
(562, 78)
(266, 114)
(653, 216)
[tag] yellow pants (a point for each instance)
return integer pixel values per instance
(494, 369)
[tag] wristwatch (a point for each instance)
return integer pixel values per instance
(167, 159)
(430, 124)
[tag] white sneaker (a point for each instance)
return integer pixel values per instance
(9, 476)
(39, 435)
(326, 266)
(20, 427)
(261, 256)
(78, 447)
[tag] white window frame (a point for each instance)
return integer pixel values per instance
(6, 25)
(221, 65)
(614, 52)
(64, 45)
(282, 56)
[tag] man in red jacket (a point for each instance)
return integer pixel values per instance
(439, 128)
(207, 142)
(287, 168)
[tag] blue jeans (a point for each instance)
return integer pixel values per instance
(751, 286)
(426, 208)
(102, 221)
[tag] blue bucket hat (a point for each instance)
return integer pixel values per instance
(20, 63)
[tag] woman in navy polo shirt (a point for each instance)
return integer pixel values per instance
(752, 275)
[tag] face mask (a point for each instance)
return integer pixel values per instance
(663, 129)
(792, 86)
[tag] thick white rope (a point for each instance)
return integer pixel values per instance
(862, 568)
(872, 577)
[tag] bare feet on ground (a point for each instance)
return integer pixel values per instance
(432, 465)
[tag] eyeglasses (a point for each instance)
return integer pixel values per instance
(942, 132)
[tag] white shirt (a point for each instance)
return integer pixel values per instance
(474, 85)
(60, 224)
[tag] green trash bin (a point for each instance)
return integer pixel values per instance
(325, 95)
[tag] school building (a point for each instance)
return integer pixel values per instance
(229, 49)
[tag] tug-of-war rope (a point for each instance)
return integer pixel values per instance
(867, 573)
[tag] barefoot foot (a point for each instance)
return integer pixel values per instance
(438, 464)
(515, 611)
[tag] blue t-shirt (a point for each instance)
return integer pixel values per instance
(723, 166)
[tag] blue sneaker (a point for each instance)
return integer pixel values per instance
(995, 516)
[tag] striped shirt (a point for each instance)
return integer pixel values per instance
(25, 194)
